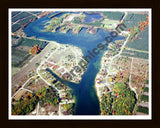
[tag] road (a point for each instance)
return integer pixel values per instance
(124, 16)
(111, 60)
(42, 56)
(40, 77)
(22, 87)
(130, 77)
(108, 70)
(59, 92)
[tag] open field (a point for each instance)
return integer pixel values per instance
(132, 20)
(21, 19)
(35, 84)
(110, 24)
(20, 50)
(132, 53)
(30, 66)
(113, 15)
(141, 43)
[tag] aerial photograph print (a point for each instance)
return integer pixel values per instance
(79, 63)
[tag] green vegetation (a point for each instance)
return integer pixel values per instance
(114, 48)
(68, 108)
(19, 55)
(106, 104)
(132, 53)
(15, 70)
(36, 12)
(113, 15)
(76, 29)
(21, 16)
(124, 100)
(137, 24)
(27, 103)
(147, 81)
(146, 89)
(27, 20)
(48, 95)
(55, 14)
(132, 20)
(103, 22)
(59, 85)
(134, 32)
(15, 37)
(142, 41)
(110, 24)
(30, 43)
(79, 19)
(64, 29)
(24, 105)
(55, 22)
(69, 94)
(144, 98)
(142, 109)
(15, 27)
(95, 23)
(15, 13)
(22, 19)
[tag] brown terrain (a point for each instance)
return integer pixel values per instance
(21, 76)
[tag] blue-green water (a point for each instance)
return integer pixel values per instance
(86, 98)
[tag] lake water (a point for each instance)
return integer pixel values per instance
(85, 94)
(91, 17)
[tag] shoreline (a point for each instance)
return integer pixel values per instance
(80, 52)
(102, 63)
(54, 42)
(95, 81)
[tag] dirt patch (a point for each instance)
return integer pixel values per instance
(19, 78)
(48, 110)
(19, 94)
(36, 85)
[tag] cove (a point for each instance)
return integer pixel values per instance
(91, 17)
(85, 94)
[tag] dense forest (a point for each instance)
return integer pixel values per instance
(48, 95)
(121, 102)
(28, 102)
(25, 104)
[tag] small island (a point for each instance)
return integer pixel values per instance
(75, 22)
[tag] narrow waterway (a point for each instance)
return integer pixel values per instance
(85, 94)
